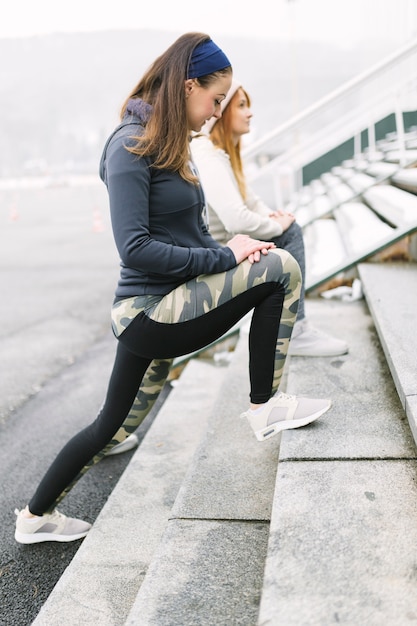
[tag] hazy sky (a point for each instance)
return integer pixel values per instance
(341, 21)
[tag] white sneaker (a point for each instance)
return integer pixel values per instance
(124, 446)
(309, 341)
(49, 527)
(283, 412)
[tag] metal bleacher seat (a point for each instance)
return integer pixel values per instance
(381, 169)
(406, 179)
(377, 215)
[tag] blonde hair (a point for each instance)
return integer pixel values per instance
(221, 136)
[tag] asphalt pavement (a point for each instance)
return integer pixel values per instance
(58, 270)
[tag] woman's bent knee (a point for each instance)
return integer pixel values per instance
(288, 263)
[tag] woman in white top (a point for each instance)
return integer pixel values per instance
(234, 208)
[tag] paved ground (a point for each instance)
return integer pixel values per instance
(58, 269)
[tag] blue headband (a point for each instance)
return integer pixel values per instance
(207, 58)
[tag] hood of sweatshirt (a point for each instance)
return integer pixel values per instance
(137, 114)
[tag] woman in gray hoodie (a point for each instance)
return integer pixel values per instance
(179, 289)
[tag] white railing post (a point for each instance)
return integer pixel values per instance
(399, 124)
(371, 138)
(357, 145)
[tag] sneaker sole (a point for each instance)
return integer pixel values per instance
(274, 429)
(40, 537)
(122, 447)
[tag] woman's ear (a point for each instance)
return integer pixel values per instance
(189, 86)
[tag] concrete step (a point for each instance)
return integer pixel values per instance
(391, 293)
(209, 566)
(344, 518)
(102, 581)
(203, 529)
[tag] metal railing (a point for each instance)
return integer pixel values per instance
(389, 87)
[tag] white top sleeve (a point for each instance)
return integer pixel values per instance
(229, 214)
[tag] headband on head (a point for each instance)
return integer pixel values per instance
(208, 126)
(207, 58)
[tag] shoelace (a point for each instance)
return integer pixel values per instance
(285, 396)
(55, 516)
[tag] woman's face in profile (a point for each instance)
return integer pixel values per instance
(240, 114)
(204, 102)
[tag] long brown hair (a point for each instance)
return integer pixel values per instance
(221, 136)
(166, 135)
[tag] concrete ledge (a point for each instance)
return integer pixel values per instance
(343, 526)
(411, 411)
(205, 572)
(366, 419)
(391, 294)
(102, 581)
(342, 545)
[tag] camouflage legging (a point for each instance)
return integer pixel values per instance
(187, 319)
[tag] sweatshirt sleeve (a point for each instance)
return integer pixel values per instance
(223, 196)
(128, 179)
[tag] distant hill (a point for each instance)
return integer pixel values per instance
(60, 94)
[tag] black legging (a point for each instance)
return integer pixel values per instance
(146, 339)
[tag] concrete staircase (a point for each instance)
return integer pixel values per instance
(208, 526)
(343, 527)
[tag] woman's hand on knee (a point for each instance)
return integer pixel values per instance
(244, 247)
